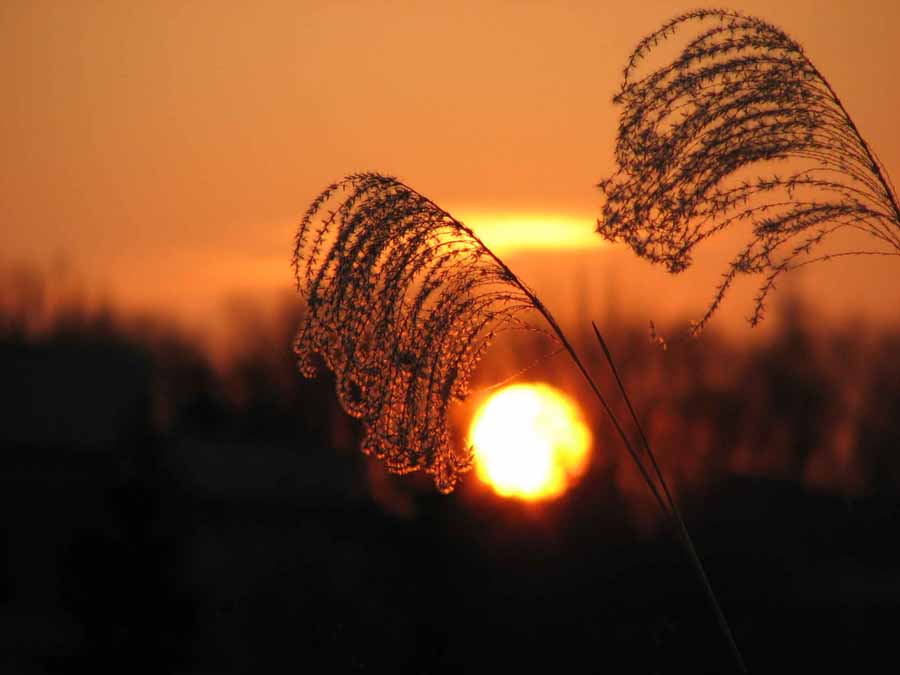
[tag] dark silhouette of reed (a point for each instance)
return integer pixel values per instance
(698, 143)
(402, 301)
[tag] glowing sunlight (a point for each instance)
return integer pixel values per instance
(530, 441)
(511, 231)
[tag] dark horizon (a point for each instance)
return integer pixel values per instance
(211, 518)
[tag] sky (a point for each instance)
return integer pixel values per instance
(165, 150)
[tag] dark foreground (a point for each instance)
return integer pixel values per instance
(162, 516)
(206, 558)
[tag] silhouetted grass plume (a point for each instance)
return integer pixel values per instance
(402, 301)
(697, 145)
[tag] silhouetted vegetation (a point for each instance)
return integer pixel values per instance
(402, 302)
(740, 129)
(164, 513)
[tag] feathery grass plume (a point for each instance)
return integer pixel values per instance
(696, 145)
(402, 301)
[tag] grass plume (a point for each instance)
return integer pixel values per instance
(402, 301)
(698, 140)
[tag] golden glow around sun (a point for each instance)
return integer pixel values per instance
(530, 441)
(521, 231)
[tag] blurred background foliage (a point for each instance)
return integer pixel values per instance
(173, 507)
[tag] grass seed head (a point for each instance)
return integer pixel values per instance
(698, 143)
(402, 300)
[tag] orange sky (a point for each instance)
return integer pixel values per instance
(166, 149)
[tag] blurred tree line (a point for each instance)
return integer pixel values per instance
(161, 502)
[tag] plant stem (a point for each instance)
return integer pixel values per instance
(883, 178)
(558, 332)
(667, 505)
(674, 513)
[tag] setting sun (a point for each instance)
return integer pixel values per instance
(530, 441)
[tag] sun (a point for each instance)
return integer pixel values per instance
(530, 441)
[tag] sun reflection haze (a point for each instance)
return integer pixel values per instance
(504, 232)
